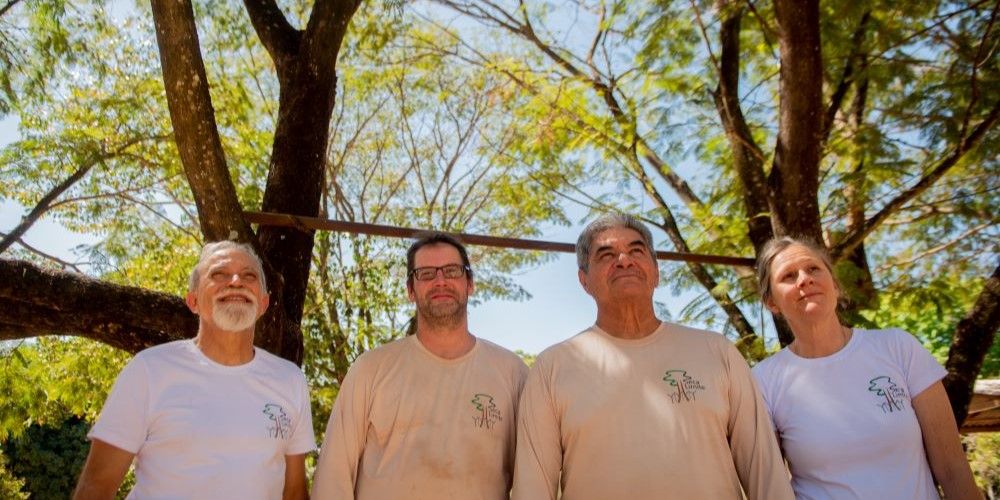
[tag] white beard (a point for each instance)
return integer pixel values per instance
(234, 316)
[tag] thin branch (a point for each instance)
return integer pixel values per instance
(933, 250)
(9, 5)
(62, 263)
(847, 244)
(847, 77)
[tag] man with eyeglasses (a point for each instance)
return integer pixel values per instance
(209, 417)
(431, 415)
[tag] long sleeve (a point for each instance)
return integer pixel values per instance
(538, 459)
(751, 437)
(337, 469)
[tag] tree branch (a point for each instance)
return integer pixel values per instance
(9, 5)
(279, 38)
(748, 159)
(193, 118)
(847, 77)
(43, 205)
(36, 301)
(851, 240)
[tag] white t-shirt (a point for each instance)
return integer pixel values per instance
(846, 422)
(204, 430)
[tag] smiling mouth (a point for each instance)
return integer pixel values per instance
(242, 299)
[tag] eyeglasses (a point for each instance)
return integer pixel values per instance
(451, 271)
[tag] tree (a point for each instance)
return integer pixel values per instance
(412, 144)
(885, 138)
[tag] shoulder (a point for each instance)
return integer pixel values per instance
(892, 340)
(386, 354)
(167, 349)
(162, 355)
(771, 365)
(704, 343)
(499, 354)
(582, 341)
(278, 366)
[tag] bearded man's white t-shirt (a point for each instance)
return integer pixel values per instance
(200, 429)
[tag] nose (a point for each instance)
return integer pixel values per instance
(804, 279)
(235, 281)
(624, 259)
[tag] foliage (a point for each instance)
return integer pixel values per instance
(49, 458)
(930, 311)
(48, 380)
(11, 486)
(529, 359)
(984, 458)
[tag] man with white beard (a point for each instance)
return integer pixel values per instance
(209, 417)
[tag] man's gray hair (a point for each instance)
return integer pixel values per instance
(217, 246)
(603, 223)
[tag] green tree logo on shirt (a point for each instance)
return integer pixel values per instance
(685, 386)
(279, 425)
(893, 396)
(487, 413)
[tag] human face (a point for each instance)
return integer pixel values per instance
(229, 294)
(440, 297)
(620, 267)
(802, 287)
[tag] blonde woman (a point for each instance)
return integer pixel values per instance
(858, 413)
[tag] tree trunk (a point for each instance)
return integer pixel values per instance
(974, 336)
(794, 178)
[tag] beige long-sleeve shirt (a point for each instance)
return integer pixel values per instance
(408, 424)
(673, 415)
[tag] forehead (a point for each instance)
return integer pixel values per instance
(436, 254)
(230, 258)
(795, 254)
(616, 236)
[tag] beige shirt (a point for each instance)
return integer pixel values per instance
(673, 415)
(408, 424)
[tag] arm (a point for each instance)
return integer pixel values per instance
(103, 472)
(941, 443)
(346, 434)
(295, 478)
(752, 443)
(538, 458)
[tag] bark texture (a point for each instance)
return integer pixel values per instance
(37, 301)
(974, 336)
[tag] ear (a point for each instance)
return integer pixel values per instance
(772, 306)
(191, 299)
(409, 292)
(472, 286)
(263, 303)
(583, 280)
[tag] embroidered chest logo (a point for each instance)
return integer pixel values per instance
(685, 386)
(279, 426)
(487, 414)
(892, 397)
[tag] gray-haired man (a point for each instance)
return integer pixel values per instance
(637, 408)
(209, 417)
